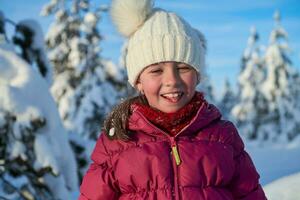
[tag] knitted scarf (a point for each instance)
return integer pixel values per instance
(172, 123)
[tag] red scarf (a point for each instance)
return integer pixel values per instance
(172, 123)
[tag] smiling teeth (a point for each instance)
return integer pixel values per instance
(172, 95)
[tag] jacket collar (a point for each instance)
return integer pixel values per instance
(206, 114)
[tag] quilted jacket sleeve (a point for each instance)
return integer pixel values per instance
(98, 182)
(245, 184)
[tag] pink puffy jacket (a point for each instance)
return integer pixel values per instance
(206, 160)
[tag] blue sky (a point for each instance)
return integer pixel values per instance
(225, 24)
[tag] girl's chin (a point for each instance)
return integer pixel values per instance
(170, 108)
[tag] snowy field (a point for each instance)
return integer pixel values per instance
(279, 167)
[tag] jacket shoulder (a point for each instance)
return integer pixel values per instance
(225, 132)
(106, 148)
(100, 152)
(232, 136)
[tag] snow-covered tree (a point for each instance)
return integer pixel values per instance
(227, 101)
(253, 48)
(36, 160)
(30, 39)
(86, 86)
(280, 88)
(251, 106)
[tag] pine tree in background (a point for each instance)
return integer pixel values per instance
(85, 85)
(253, 47)
(227, 101)
(250, 110)
(31, 134)
(280, 88)
(30, 38)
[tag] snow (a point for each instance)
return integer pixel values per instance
(38, 39)
(26, 94)
(274, 162)
(42, 148)
(75, 56)
(269, 160)
(37, 46)
(112, 69)
(18, 150)
(90, 21)
(286, 188)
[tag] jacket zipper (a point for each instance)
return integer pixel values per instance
(175, 155)
(176, 158)
(176, 162)
(175, 151)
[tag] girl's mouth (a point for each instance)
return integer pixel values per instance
(173, 97)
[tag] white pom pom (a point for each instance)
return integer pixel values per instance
(128, 15)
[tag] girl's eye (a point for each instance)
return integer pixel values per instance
(184, 68)
(155, 71)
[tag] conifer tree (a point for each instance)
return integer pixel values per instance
(32, 138)
(228, 100)
(250, 109)
(280, 88)
(86, 86)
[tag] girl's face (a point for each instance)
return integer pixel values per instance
(168, 86)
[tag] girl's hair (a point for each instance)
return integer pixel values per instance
(117, 120)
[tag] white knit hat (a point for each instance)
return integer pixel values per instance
(155, 35)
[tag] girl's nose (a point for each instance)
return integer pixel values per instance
(171, 77)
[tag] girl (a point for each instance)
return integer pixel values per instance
(169, 142)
